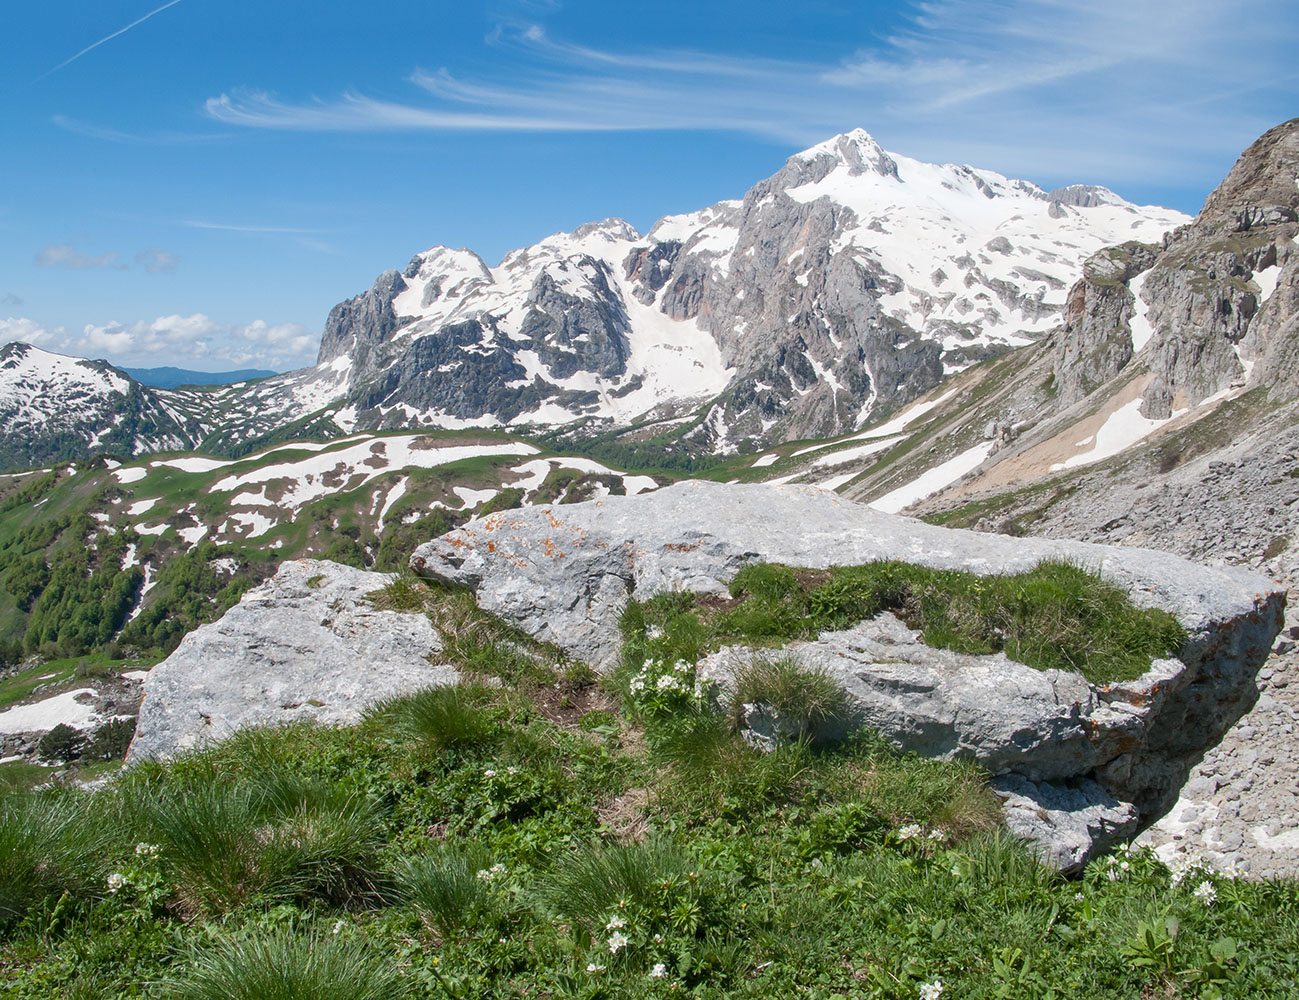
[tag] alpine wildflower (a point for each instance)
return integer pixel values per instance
(143, 850)
(659, 971)
(116, 881)
(931, 991)
(593, 968)
(1206, 892)
(909, 831)
(338, 926)
(617, 942)
(616, 923)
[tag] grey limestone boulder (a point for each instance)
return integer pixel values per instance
(305, 644)
(564, 574)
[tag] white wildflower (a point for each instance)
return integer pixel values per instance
(637, 684)
(681, 667)
(116, 881)
(1079, 896)
(592, 967)
(143, 850)
(938, 835)
(617, 942)
(1125, 866)
(616, 923)
(658, 938)
(511, 770)
(489, 874)
(659, 971)
(909, 831)
(931, 991)
(667, 683)
(338, 926)
(1206, 892)
(654, 632)
(489, 773)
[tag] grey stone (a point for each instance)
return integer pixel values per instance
(1070, 824)
(564, 574)
(304, 645)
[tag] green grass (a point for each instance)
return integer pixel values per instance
(314, 861)
(1054, 616)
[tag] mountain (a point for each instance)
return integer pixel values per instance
(847, 284)
(841, 288)
(53, 408)
(1163, 411)
(169, 378)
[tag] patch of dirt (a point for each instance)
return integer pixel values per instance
(625, 817)
(565, 701)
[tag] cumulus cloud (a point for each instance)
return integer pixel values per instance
(185, 341)
(156, 261)
(66, 255)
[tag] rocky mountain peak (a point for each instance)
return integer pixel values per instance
(1261, 189)
(611, 228)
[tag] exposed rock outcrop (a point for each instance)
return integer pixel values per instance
(564, 574)
(304, 645)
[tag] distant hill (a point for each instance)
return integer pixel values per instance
(169, 378)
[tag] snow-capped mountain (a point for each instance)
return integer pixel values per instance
(842, 287)
(848, 283)
(54, 407)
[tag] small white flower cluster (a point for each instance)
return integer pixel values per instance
(913, 830)
(660, 971)
(1183, 867)
(338, 926)
(489, 773)
(617, 942)
(674, 678)
(593, 968)
(143, 850)
(1206, 892)
(1116, 869)
(116, 881)
(490, 874)
(616, 923)
(931, 991)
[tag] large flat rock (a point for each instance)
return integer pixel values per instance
(1108, 759)
(305, 644)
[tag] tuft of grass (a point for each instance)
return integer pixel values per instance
(454, 717)
(808, 703)
(591, 882)
(453, 887)
(1054, 616)
(281, 965)
(272, 837)
(50, 843)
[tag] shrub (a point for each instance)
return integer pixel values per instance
(61, 743)
(280, 965)
(111, 739)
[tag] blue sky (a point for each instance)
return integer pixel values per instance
(197, 182)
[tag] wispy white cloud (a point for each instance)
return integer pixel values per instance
(1109, 90)
(234, 227)
(177, 340)
(90, 130)
(66, 255)
(157, 261)
(107, 38)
